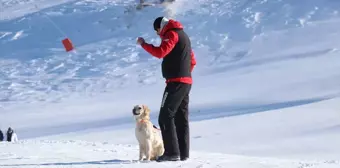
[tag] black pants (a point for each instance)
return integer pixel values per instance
(9, 137)
(173, 119)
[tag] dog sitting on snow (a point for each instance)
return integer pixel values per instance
(148, 136)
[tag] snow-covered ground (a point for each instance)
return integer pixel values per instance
(287, 138)
(266, 87)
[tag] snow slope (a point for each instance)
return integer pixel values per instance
(265, 90)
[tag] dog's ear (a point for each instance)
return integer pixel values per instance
(146, 109)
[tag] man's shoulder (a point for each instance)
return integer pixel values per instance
(173, 30)
(170, 34)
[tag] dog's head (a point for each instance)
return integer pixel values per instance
(141, 111)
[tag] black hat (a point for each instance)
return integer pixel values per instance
(157, 22)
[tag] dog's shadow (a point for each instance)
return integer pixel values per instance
(102, 162)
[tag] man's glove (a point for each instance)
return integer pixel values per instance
(140, 40)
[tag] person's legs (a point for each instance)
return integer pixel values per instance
(182, 127)
(172, 98)
(162, 120)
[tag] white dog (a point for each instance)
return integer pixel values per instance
(149, 138)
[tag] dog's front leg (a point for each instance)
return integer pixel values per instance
(141, 152)
(148, 150)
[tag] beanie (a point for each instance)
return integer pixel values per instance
(157, 24)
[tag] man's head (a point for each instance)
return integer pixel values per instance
(159, 23)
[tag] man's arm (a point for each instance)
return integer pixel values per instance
(193, 60)
(168, 43)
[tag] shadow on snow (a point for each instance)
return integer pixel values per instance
(115, 161)
(196, 114)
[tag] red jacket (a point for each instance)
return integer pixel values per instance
(169, 40)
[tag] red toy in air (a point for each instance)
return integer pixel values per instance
(67, 44)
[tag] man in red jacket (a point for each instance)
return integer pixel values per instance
(178, 63)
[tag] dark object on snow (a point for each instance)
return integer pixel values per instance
(9, 134)
(1, 136)
(178, 63)
(143, 4)
(162, 1)
(168, 0)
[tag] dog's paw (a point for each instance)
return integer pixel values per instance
(144, 161)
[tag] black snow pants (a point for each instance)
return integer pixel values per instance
(1, 136)
(173, 119)
(9, 136)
